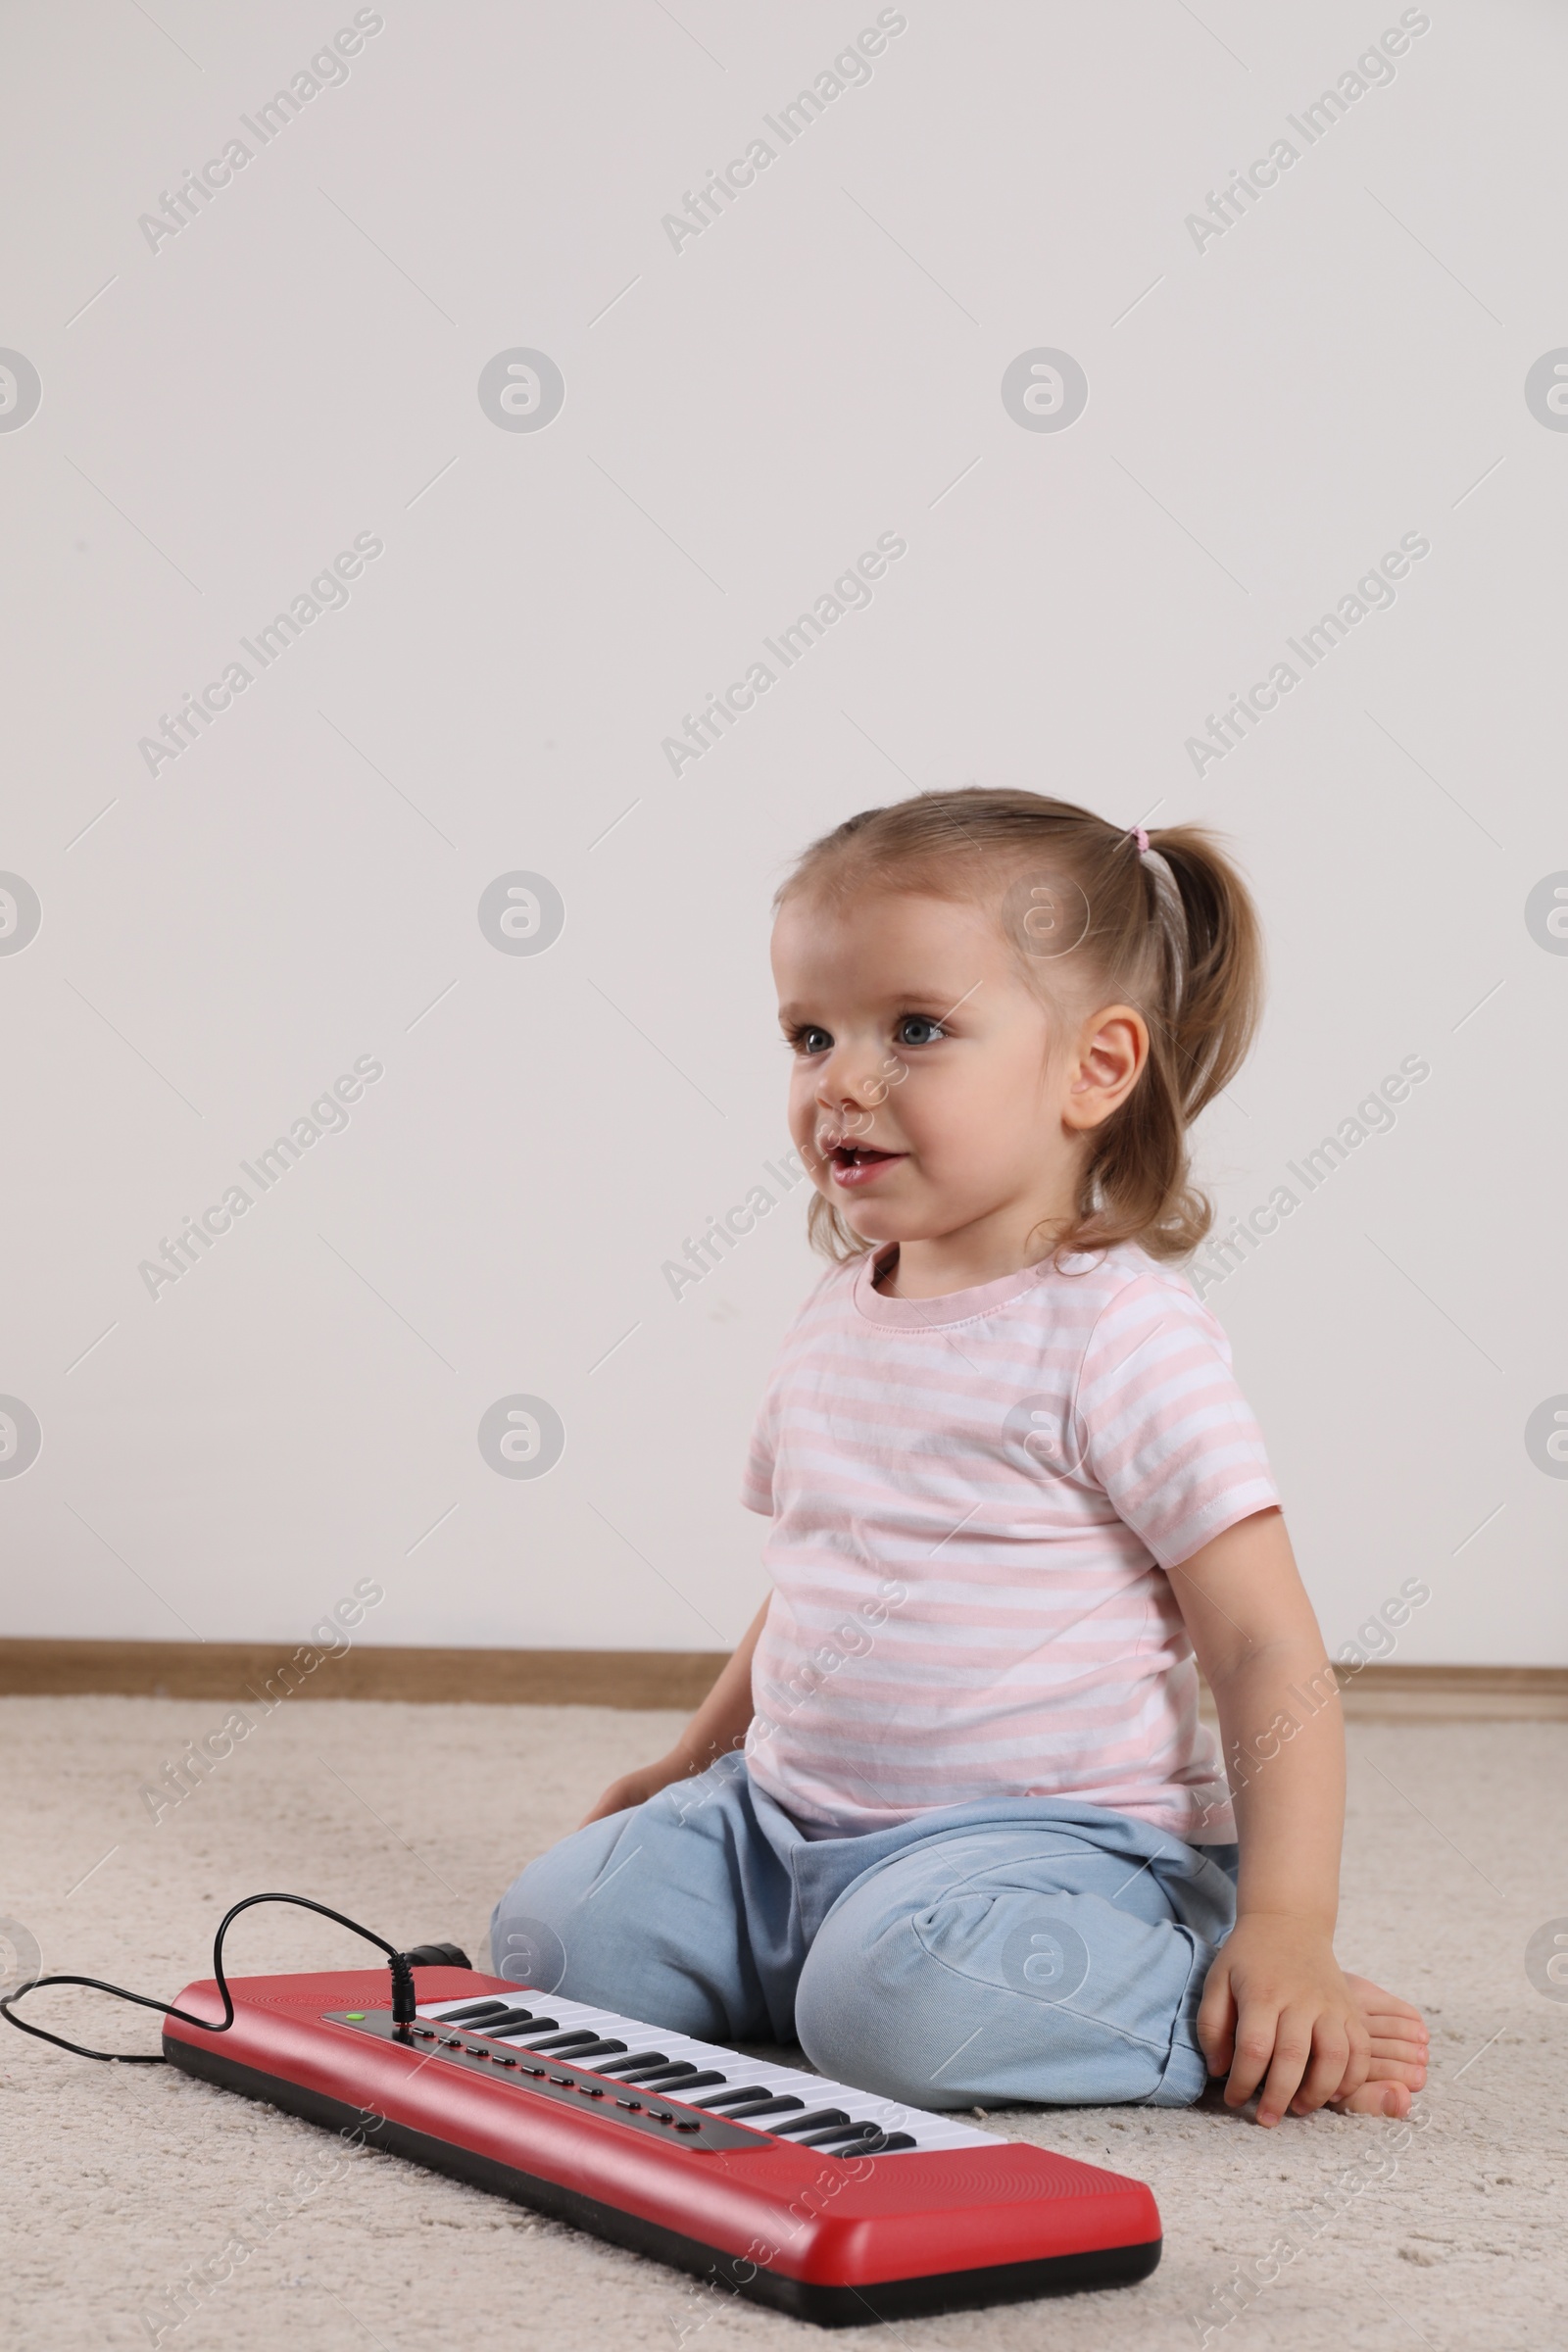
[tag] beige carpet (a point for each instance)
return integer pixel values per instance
(117, 2180)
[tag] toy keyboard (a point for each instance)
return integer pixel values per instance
(821, 2200)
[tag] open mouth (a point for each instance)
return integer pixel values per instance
(860, 1163)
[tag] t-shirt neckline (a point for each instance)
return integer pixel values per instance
(954, 1306)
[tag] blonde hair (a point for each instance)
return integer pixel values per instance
(1173, 933)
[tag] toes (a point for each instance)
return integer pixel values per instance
(1375, 2003)
(1411, 2072)
(1398, 2053)
(1387, 2099)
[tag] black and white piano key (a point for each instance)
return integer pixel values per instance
(845, 2120)
(578, 2042)
(743, 2107)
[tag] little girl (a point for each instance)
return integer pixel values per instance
(949, 1817)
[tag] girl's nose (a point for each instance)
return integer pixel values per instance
(850, 1083)
(840, 1078)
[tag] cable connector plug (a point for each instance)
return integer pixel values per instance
(404, 2008)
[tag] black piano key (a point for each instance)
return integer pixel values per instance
(687, 2082)
(646, 2074)
(813, 2121)
(740, 2091)
(579, 2053)
(508, 2021)
(665, 2077)
(899, 2139)
(456, 2017)
(562, 2041)
(765, 2106)
(847, 2135)
(638, 2058)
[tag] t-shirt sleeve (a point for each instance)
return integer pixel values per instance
(1164, 1428)
(757, 1480)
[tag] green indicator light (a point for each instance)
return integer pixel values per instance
(356, 2017)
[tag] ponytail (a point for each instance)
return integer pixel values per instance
(1136, 1182)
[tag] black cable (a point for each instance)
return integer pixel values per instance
(403, 1994)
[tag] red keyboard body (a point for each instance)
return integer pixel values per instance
(839, 2241)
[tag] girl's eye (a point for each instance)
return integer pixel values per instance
(810, 1039)
(918, 1029)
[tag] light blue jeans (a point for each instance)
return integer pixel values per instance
(1021, 1949)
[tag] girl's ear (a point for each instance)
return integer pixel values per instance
(1112, 1049)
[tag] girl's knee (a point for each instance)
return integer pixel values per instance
(540, 1918)
(966, 1998)
(852, 2025)
(635, 1914)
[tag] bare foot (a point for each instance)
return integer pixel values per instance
(1399, 2049)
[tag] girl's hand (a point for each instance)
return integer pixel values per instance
(636, 1788)
(718, 1727)
(1278, 2012)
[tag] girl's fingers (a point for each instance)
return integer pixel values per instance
(1339, 2065)
(1326, 2078)
(1216, 2021)
(1293, 2051)
(1256, 2039)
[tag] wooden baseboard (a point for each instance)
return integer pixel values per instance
(1448, 1694)
(622, 1678)
(1455, 1693)
(506, 1678)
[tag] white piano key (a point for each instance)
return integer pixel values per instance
(928, 2130)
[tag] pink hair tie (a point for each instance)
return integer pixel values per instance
(1142, 839)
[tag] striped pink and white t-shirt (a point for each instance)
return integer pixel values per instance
(975, 1501)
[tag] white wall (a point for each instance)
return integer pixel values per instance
(1269, 409)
